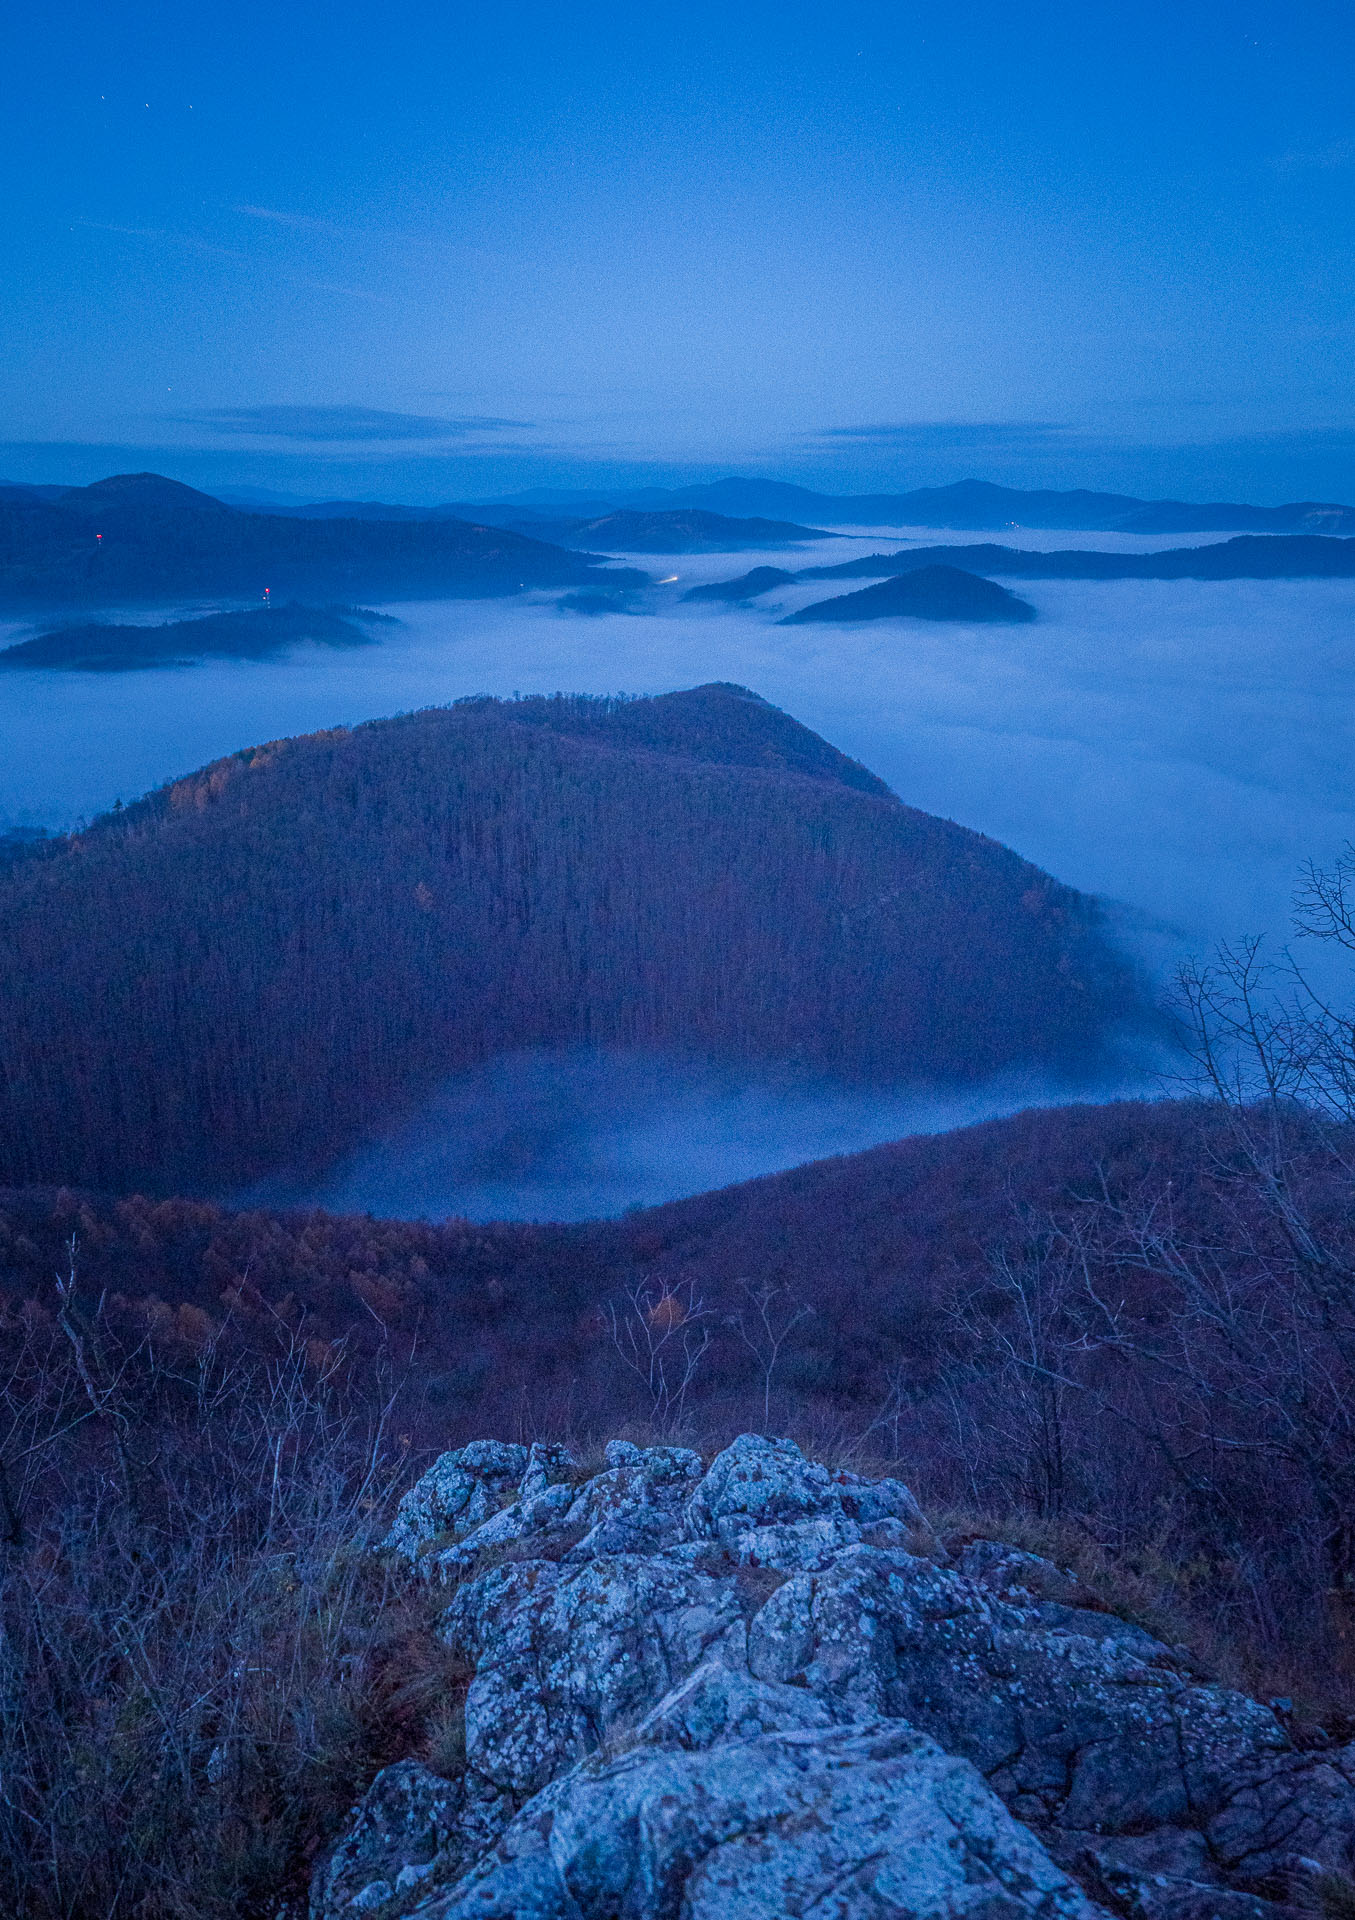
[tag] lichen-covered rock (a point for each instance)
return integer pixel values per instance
(1018, 1575)
(1082, 1734)
(794, 1546)
(869, 1500)
(458, 1491)
(653, 1477)
(758, 1482)
(1287, 1819)
(853, 1822)
(548, 1465)
(408, 1829)
(540, 1515)
(762, 1688)
(720, 1702)
(567, 1658)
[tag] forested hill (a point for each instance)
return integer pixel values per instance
(141, 537)
(1251, 556)
(249, 969)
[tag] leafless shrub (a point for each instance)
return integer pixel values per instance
(661, 1333)
(198, 1654)
(1199, 1337)
(769, 1316)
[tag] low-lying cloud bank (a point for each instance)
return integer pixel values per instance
(536, 1136)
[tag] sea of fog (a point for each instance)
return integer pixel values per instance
(1178, 747)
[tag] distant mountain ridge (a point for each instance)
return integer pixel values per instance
(140, 537)
(971, 506)
(251, 634)
(1246, 557)
(686, 530)
(1294, 556)
(967, 505)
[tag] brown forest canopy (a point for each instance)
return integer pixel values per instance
(488, 1316)
(247, 969)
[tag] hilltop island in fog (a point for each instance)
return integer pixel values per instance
(252, 633)
(929, 593)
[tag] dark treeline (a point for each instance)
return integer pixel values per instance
(141, 537)
(248, 969)
(503, 1316)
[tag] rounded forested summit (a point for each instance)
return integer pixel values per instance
(720, 722)
(929, 593)
(255, 966)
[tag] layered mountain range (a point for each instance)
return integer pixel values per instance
(971, 505)
(139, 538)
(681, 530)
(1248, 557)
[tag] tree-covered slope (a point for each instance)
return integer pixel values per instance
(248, 969)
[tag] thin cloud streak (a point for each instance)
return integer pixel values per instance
(345, 423)
(948, 435)
(190, 241)
(300, 222)
(212, 250)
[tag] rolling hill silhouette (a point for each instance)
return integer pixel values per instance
(138, 537)
(926, 593)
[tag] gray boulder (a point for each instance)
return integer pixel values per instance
(548, 1465)
(757, 1482)
(411, 1831)
(762, 1688)
(1095, 1739)
(567, 1659)
(459, 1491)
(853, 1822)
(538, 1517)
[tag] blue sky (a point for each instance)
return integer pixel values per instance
(434, 251)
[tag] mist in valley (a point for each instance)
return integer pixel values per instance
(1178, 748)
(539, 1136)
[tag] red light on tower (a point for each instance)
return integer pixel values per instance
(99, 539)
(267, 602)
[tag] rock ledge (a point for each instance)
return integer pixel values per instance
(759, 1689)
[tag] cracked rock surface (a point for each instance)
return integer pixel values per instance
(760, 1688)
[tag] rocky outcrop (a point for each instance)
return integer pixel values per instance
(759, 1688)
